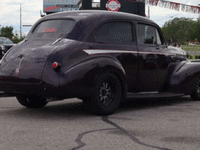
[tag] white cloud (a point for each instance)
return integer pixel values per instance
(10, 12)
(161, 15)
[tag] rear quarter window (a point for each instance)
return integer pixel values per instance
(115, 32)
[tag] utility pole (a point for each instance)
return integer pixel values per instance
(20, 21)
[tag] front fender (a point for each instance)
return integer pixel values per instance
(182, 77)
(80, 79)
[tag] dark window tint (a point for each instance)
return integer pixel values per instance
(147, 34)
(115, 32)
(55, 26)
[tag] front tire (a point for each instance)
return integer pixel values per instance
(31, 101)
(195, 95)
(107, 95)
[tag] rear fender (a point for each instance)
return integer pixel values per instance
(81, 77)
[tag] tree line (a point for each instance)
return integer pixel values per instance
(8, 32)
(182, 30)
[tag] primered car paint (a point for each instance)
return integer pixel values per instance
(27, 68)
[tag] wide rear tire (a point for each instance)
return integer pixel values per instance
(31, 101)
(107, 95)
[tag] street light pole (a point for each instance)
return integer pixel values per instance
(20, 21)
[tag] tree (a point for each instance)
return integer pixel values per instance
(16, 38)
(196, 29)
(179, 30)
(7, 32)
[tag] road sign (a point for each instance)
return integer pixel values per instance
(50, 6)
(113, 5)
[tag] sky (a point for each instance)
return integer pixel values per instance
(10, 13)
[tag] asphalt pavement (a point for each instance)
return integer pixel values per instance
(142, 124)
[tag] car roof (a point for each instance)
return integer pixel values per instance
(3, 38)
(7, 40)
(95, 14)
(87, 20)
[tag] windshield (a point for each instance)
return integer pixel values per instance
(55, 26)
(5, 41)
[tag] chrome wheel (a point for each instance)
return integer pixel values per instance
(106, 96)
(198, 86)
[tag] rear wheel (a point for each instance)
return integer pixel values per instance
(31, 101)
(107, 95)
(196, 93)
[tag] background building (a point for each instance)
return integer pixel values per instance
(130, 6)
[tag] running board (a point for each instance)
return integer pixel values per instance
(152, 95)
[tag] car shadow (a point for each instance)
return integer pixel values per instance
(73, 110)
(147, 103)
(53, 110)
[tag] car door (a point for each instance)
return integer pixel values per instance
(117, 39)
(153, 58)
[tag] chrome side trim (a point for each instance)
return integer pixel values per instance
(103, 51)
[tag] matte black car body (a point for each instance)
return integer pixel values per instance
(140, 68)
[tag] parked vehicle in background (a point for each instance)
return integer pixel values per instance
(5, 45)
(100, 57)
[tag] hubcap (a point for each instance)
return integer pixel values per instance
(106, 96)
(198, 86)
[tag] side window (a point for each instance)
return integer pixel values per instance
(115, 32)
(158, 37)
(147, 34)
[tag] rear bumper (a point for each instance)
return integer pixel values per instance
(22, 88)
(40, 89)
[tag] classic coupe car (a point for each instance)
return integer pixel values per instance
(100, 57)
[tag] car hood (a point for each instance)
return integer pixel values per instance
(176, 50)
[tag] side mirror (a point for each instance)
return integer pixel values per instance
(2, 48)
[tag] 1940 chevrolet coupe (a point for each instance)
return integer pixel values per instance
(100, 57)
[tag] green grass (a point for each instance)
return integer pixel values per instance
(192, 51)
(190, 48)
(193, 56)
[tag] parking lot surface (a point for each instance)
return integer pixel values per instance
(142, 124)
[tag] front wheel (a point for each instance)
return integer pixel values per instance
(195, 95)
(31, 101)
(107, 95)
